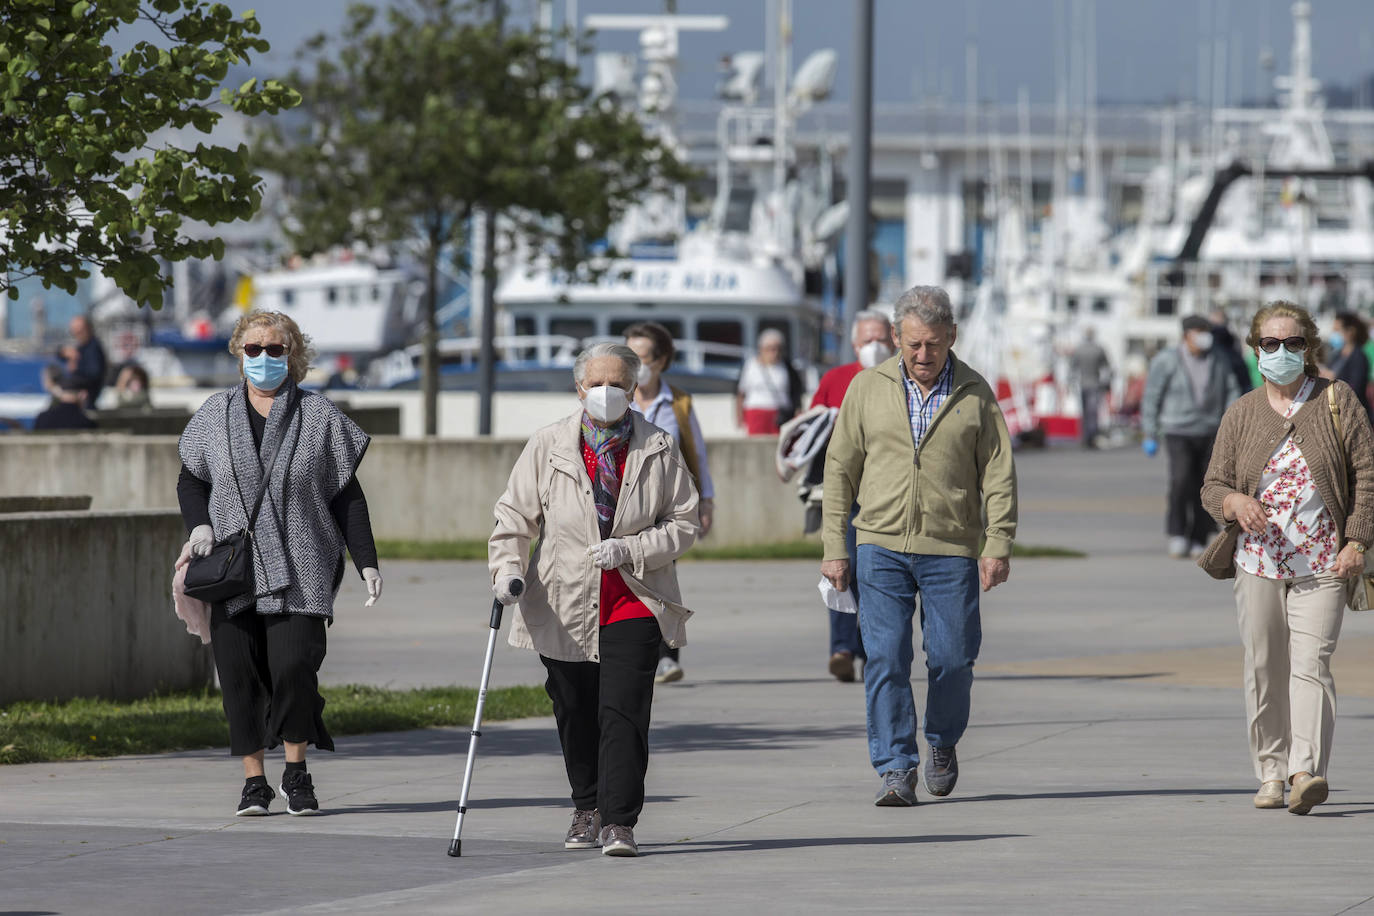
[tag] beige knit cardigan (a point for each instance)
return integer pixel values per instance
(1250, 432)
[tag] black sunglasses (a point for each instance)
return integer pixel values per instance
(276, 350)
(1291, 344)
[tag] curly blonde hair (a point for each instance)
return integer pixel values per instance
(1281, 308)
(299, 351)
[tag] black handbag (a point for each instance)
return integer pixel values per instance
(227, 570)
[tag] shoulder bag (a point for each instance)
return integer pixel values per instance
(1362, 589)
(227, 570)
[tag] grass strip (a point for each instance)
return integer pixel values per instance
(33, 732)
(784, 550)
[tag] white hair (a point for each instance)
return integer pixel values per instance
(868, 315)
(772, 335)
(927, 304)
(629, 362)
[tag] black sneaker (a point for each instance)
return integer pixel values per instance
(255, 799)
(942, 771)
(299, 792)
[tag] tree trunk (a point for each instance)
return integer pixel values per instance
(429, 366)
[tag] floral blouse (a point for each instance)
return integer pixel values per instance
(1301, 539)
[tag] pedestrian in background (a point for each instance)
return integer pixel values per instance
(85, 359)
(1094, 374)
(67, 405)
(612, 505)
(1188, 389)
(1348, 361)
(269, 644)
(670, 409)
(769, 392)
(922, 447)
(1292, 481)
(871, 338)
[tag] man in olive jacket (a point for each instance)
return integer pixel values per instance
(920, 444)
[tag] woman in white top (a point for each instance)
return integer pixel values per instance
(769, 390)
(1292, 481)
(670, 409)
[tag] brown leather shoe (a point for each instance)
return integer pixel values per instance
(1307, 793)
(1270, 794)
(586, 824)
(842, 666)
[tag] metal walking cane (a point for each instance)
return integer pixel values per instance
(455, 848)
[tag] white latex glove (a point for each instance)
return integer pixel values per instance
(611, 553)
(373, 580)
(202, 539)
(505, 590)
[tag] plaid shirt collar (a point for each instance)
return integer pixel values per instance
(921, 409)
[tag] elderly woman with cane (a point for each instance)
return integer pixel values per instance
(267, 456)
(1292, 482)
(611, 503)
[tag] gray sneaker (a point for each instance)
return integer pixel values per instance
(898, 790)
(942, 771)
(668, 670)
(586, 824)
(618, 841)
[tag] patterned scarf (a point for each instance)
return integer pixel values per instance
(605, 441)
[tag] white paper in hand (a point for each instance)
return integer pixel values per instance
(837, 601)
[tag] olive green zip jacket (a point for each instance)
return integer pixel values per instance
(931, 501)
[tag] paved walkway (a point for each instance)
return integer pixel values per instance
(1105, 770)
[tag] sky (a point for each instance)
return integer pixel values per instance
(1147, 50)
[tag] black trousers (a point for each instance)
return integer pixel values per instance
(1188, 460)
(269, 673)
(602, 710)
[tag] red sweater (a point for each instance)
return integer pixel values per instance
(830, 392)
(617, 601)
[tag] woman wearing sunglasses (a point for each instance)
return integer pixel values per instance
(1292, 482)
(270, 642)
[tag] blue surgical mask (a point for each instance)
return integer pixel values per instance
(265, 372)
(1280, 367)
(1336, 341)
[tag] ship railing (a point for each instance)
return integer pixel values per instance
(1238, 288)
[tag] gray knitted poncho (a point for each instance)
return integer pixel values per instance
(297, 547)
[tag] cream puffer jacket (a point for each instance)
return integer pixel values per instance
(549, 497)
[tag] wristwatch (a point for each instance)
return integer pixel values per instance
(1359, 548)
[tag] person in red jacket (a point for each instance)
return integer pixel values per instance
(872, 341)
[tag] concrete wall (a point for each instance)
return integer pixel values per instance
(87, 607)
(417, 489)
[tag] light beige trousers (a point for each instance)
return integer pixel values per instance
(1289, 629)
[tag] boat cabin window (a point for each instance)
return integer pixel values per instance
(376, 294)
(525, 326)
(578, 326)
(331, 294)
(288, 297)
(1101, 306)
(729, 333)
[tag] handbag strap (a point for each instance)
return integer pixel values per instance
(1340, 436)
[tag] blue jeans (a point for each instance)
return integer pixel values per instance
(950, 631)
(844, 628)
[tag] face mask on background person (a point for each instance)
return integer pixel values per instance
(1202, 340)
(873, 353)
(265, 372)
(1281, 367)
(606, 403)
(1336, 341)
(645, 374)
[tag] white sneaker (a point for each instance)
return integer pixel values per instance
(1178, 547)
(1197, 550)
(668, 671)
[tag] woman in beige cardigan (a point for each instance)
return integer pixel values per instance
(612, 504)
(1294, 489)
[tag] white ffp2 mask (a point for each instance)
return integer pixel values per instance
(873, 353)
(606, 403)
(645, 375)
